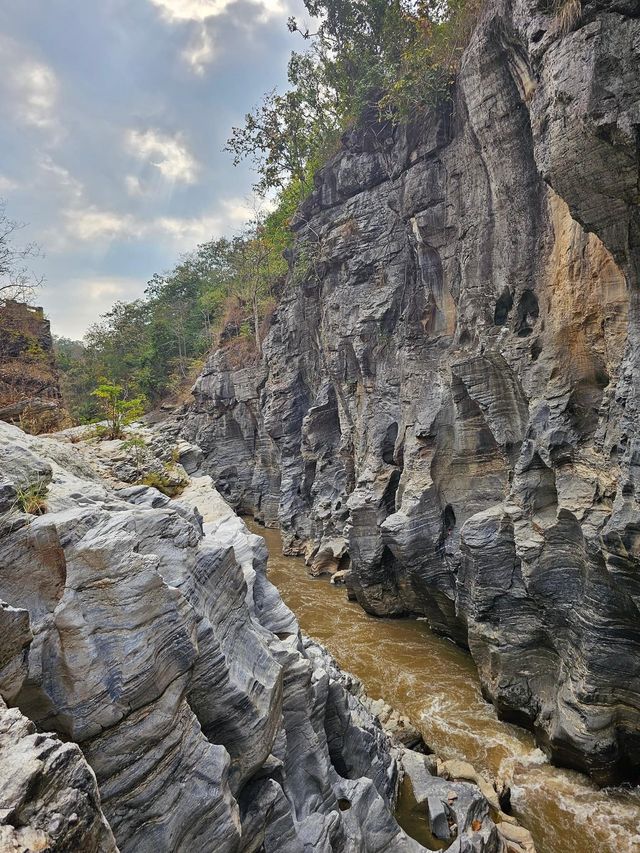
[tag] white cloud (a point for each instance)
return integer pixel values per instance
(239, 211)
(200, 10)
(134, 185)
(106, 287)
(190, 10)
(39, 87)
(31, 88)
(200, 50)
(63, 177)
(7, 185)
(168, 154)
(92, 225)
(85, 298)
(186, 233)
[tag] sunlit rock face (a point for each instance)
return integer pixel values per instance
(48, 794)
(161, 695)
(449, 397)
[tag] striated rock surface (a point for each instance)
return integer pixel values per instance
(448, 400)
(49, 798)
(144, 633)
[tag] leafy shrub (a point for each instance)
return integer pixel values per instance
(117, 410)
(425, 73)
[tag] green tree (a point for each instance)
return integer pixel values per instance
(77, 379)
(286, 132)
(117, 410)
(116, 346)
(368, 61)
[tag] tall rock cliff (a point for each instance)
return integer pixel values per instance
(449, 398)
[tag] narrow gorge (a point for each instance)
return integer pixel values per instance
(371, 583)
(447, 405)
(157, 693)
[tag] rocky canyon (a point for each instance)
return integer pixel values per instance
(439, 412)
(160, 693)
(447, 404)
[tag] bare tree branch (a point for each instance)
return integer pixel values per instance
(17, 280)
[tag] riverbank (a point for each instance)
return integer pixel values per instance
(436, 684)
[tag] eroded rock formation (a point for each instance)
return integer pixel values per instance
(48, 794)
(143, 642)
(448, 400)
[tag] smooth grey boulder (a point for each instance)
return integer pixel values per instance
(420, 769)
(438, 818)
(456, 810)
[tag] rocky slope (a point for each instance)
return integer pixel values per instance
(448, 400)
(161, 697)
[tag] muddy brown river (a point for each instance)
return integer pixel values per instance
(436, 684)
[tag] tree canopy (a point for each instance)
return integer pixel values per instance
(398, 57)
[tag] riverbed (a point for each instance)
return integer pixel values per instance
(436, 684)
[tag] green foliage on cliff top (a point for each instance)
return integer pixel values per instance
(396, 58)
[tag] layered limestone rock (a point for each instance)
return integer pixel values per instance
(144, 632)
(448, 403)
(48, 794)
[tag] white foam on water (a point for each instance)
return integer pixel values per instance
(608, 818)
(517, 762)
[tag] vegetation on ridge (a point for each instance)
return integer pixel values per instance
(221, 293)
(393, 59)
(366, 60)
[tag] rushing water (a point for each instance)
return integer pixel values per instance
(436, 684)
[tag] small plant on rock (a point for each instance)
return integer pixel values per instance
(567, 14)
(118, 411)
(31, 498)
(164, 481)
(139, 448)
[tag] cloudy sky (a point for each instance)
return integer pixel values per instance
(114, 117)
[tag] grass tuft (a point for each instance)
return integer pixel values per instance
(568, 14)
(32, 498)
